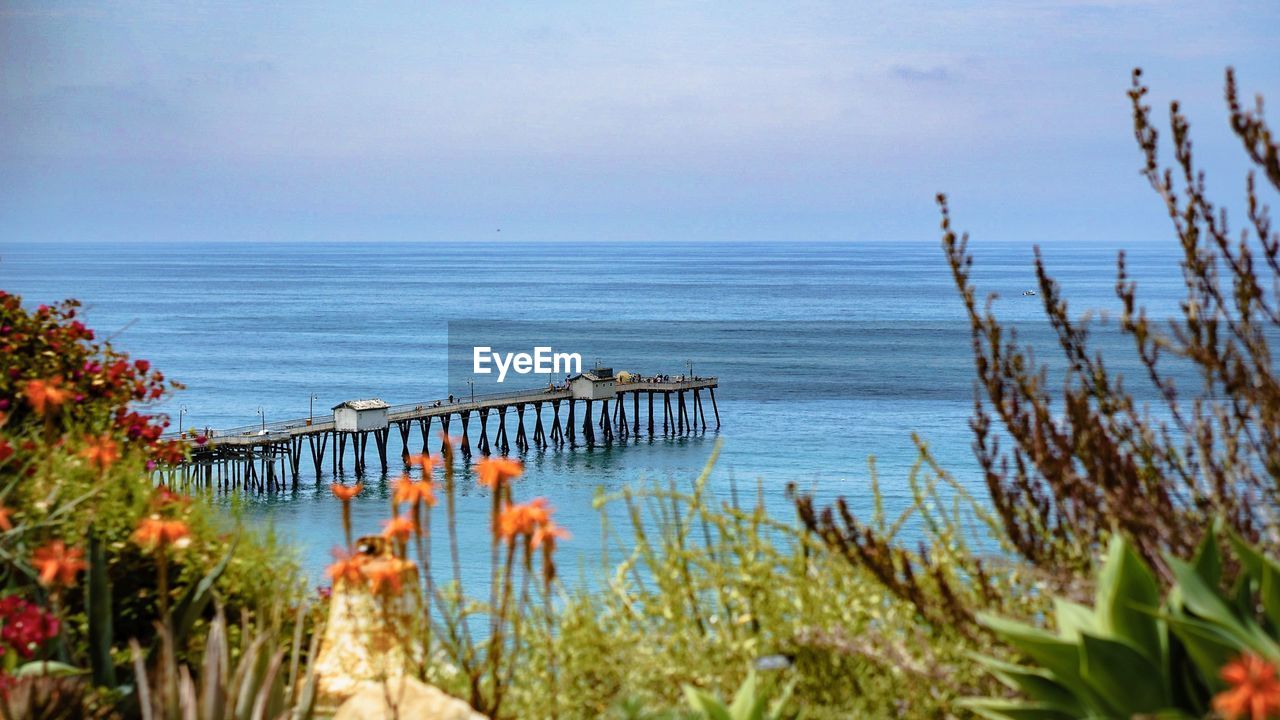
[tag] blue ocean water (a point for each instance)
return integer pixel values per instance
(827, 354)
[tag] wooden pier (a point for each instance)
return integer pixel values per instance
(269, 457)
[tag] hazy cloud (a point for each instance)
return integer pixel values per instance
(937, 73)
(825, 119)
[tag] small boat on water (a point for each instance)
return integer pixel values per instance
(1026, 293)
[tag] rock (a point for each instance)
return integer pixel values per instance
(411, 699)
(369, 636)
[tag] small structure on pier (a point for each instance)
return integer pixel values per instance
(599, 384)
(360, 415)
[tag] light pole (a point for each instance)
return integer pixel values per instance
(182, 410)
(472, 383)
(311, 414)
(263, 415)
(690, 364)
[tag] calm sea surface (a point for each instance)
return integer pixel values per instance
(827, 354)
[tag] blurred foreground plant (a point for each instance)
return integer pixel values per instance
(433, 621)
(698, 591)
(1206, 645)
(265, 680)
(1064, 472)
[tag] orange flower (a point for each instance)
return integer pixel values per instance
(426, 462)
(164, 497)
(346, 492)
(549, 532)
(385, 573)
(154, 530)
(495, 472)
(346, 567)
(1254, 692)
(399, 528)
(101, 451)
(407, 491)
(46, 394)
(57, 564)
(5, 523)
(523, 519)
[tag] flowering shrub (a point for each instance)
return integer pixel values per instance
(76, 449)
(24, 629)
(55, 375)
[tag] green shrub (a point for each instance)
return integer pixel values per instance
(703, 592)
(1136, 652)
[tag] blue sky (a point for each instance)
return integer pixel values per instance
(683, 121)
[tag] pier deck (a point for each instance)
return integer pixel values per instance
(247, 457)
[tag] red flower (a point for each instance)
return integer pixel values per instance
(548, 533)
(165, 498)
(346, 492)
(57, 564)
(386, 573)
(24, 626)
(523, 519)
(495, 472)
(101, 451)
(407, 491)
(426, 462)
(45, 395)
(346, 567)
(1254, 692)
(154, 531)
(399, 528)
(5, 523)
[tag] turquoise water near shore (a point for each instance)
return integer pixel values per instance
(837, 352)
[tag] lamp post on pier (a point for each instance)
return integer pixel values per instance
(182, 410)
(472, 383)
(311, 413)
(263, 415)
(690, 364)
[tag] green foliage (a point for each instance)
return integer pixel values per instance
(98, 610)
(263, 680)
(696, 591)
(1134, 652)
(747, 704)
(1073, 463)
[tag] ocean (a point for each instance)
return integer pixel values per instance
(827, 354)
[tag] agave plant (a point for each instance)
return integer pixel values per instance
(257, 685)
(52, 697)
(1136, 653)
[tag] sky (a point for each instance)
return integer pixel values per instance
(668, 121)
